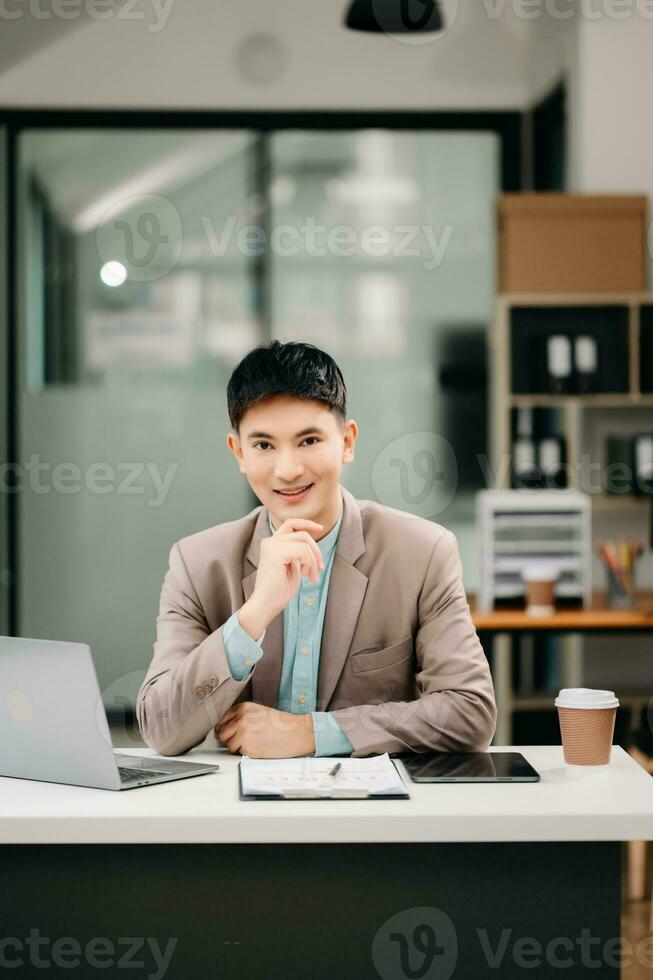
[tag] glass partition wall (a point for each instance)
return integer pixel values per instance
(6, 570)
(150, 261)
(386, 255)
(133, 317)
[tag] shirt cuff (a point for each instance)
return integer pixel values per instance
(329, 736)
(243, 653)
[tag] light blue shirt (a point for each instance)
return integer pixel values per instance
(303, 620)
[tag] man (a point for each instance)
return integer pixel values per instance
(318, 623)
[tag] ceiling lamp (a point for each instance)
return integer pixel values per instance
(395, 16)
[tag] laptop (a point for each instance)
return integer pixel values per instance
(53, 724)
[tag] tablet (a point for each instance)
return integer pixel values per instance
(470, 767)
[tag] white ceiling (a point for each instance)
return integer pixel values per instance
(270, 53)
(25, 35)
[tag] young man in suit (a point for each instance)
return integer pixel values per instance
(318, 623)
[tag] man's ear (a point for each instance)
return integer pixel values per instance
(233, 443)
(351, 432)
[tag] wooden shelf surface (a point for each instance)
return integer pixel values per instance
(597, 617)
(608, 298)
(606, 400)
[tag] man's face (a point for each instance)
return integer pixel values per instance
(288, 442)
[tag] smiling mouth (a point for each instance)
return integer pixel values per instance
(295, 492)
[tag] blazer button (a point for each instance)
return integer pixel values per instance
(214, 682)
(199, 691)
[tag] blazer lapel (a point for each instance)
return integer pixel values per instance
(347, 587)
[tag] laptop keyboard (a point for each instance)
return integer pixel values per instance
(126, 774)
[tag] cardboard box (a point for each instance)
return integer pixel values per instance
(571, 243)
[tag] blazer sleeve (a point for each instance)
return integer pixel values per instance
(455, 709)
(188, 686)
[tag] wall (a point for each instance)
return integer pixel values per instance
(613, 137)
(611, 148)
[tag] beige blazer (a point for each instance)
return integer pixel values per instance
(401, 666)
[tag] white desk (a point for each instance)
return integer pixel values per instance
(285, 889)
(613, 804)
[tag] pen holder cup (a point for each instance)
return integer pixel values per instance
(620, 597)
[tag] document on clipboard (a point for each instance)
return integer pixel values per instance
(311, 778)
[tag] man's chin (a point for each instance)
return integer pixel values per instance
(304, 509)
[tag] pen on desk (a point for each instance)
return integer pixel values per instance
(336, 769)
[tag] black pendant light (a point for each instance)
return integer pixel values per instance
(395, 16)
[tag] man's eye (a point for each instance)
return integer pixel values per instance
(263, 443)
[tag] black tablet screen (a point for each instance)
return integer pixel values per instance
(470, 767)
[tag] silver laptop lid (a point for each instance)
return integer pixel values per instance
(53, 725)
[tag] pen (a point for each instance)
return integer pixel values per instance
(336, 769)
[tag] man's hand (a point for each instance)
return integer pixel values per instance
(265, 733)
(284, 557)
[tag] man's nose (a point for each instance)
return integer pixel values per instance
(288, 467)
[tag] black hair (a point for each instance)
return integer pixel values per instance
(285, 369)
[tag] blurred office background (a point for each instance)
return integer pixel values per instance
(177, 133)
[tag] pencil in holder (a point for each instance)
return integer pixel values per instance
(620, 561)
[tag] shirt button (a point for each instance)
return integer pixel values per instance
(305, 650)
(247, 662)
(310, 601)
(301, 698)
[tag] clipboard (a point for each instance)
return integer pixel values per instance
(325, 793)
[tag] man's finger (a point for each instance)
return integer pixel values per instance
(227, 731)
(234, 743)
(297, 524)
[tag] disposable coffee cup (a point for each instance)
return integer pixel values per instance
(587, 720)
(540, 582)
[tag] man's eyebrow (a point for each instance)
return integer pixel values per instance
(304, 432)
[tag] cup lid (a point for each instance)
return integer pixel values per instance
(585, 697)
(540, 573)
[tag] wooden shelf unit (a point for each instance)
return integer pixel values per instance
(571, 406)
